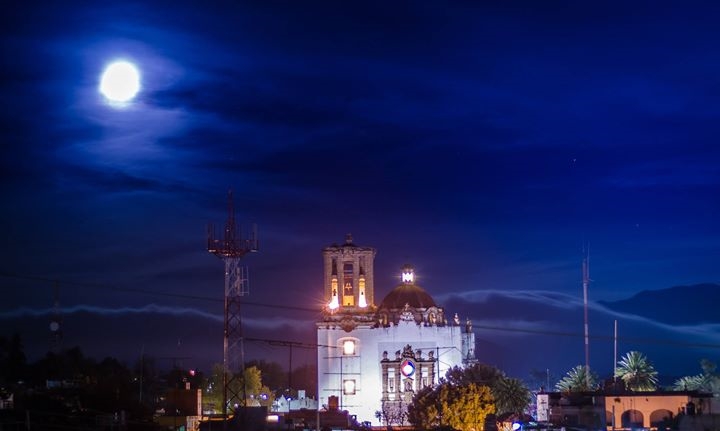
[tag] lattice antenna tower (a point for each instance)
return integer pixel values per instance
(231, 247)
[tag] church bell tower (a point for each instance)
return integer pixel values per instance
(348, 280)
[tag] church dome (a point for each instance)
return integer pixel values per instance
(410, 294)
(407, 293)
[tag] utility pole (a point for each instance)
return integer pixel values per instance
(586, 283)
(231, 247)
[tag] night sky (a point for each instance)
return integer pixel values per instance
(485, 143)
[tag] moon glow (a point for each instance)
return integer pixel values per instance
(120, 82)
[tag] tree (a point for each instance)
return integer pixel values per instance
(707, 381)
(637, 372)
(462, 407)
(468, 406)
(273, 375)
(305, 377)
(393, 413)
(466, 396)
(423, 411)
(577, 380)
(13, 364)
(213, 389)
(689, 383)
(256, 393)
(149, 384)
(481, 374)
(249, 384)
(511, 395)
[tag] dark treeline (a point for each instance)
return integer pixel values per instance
(66, 388)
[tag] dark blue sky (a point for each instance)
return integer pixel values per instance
(482, 142)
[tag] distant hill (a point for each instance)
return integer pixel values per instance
(679, 305)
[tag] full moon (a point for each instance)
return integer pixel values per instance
(120, 82)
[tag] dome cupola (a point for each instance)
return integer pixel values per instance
(407, 294)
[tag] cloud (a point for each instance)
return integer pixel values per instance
(264, 323)
(549, 313)
(546, 298)
(111, 312)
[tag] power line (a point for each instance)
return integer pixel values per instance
(109, 287)
(288, 343)
(101, 286)
(639, 340)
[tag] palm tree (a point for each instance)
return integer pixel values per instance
(708, 381)
(511, 395)
(577, 380)
(689, 383)
(637, 372)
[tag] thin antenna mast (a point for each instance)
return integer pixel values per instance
(615, 353)
(586, 283)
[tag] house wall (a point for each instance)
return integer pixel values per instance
(644, 410)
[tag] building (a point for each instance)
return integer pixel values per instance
(621, 410)
(286, 405)
(373, 358)
(182, 407)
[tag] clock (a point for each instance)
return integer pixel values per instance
(407, 367)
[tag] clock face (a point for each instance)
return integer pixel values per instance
(54, 326)
(407, 367)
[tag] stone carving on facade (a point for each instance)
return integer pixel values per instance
(408, 385)
(348, 324)
(407, 315)
(383, 320)
(408, 352)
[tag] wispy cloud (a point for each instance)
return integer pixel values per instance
(555, 299)
(110, 312)
(526, 311)
(152, 309)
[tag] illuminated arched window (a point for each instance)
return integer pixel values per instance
(348, 346)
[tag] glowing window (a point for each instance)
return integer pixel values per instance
(348, 279)
(349, 387)
(349, 347)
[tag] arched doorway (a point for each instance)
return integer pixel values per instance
(658, 417)
(632, 419)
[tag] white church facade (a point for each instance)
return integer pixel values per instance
(373, 358)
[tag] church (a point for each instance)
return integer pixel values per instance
(373, 358)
